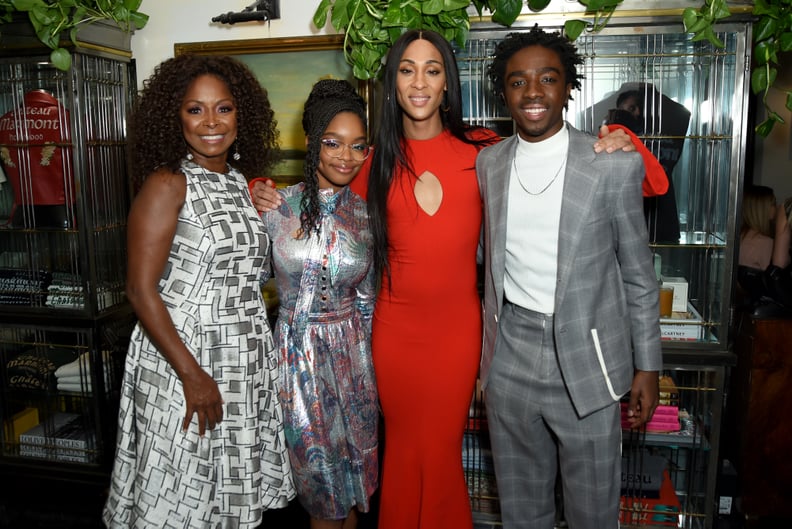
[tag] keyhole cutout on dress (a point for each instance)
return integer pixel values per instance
(428, 193)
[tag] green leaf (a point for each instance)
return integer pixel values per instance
(339, 15)
(132, 5)
(789, 101)
(537, 5)
(762, 53)
(785, 41)
(27, 5)
(765, 127)
(430, 7)
(506, 12)
(759, 80)
(595, 5)
(320, 15)
(138, 20)
(689, 17)
(762, 8)
(721, 10)
(775, 116)
(699, 25)
(61, 59)
(392, 16)
(764, 29)
(573, 28)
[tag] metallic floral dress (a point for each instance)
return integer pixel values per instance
(327, 390)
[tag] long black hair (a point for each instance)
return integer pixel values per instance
(328, 98)
(389, 155)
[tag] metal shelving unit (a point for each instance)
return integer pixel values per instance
(62, 255)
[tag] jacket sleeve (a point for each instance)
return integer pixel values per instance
(655, 182)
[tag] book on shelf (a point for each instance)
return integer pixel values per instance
(62, 437)
(661, 511)
(642, 474)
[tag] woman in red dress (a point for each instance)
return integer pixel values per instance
(425, 213)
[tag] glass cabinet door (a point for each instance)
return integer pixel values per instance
(687, 101)
(64, 191)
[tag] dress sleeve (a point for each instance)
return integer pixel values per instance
(655, 180)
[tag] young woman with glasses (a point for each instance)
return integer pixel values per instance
(321, 256)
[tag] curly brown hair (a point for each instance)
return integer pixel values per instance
(154, 126)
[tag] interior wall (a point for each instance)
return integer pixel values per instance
(173, 21)
(773, 155)
(177, 21)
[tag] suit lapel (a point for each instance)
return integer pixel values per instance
(498, 201)
(580, 183)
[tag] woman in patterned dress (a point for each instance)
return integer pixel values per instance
(322, 263)
(201, 442)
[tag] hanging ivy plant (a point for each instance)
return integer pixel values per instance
(371, 26)
(772, 34)
(52, 18)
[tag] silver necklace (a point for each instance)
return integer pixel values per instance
(546, 187)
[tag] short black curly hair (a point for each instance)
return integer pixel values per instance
(154, 127)
(514, 42)
(328, 98)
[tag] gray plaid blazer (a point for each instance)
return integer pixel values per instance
(606, 302)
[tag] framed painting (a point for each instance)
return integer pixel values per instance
(287, 68)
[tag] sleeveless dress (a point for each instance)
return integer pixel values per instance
(427, 340)
(326, 286)
(164, 477)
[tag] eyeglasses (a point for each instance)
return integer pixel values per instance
(357, 151)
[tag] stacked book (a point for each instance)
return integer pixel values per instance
(664, 510)
(62, 437)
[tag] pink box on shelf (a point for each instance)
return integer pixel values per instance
(665, 419)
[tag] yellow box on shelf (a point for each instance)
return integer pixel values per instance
(21, 422)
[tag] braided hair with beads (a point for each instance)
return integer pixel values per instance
(328, 98)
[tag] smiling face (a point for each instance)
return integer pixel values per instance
(209, 121)
(336, 169)
(536, 92)
(420, 85)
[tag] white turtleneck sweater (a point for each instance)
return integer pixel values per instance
(536, 188)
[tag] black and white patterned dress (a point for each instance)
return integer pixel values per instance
(164, 477)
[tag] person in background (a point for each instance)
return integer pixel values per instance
(660, 208)
(764, 274)
(781, 241)
(779, 273)
(571, 318)
(200, 436)
(757, 230)
(425, 213)
(321, 255)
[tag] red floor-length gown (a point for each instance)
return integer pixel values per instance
(427, 340)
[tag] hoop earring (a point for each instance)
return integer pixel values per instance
(444, 106)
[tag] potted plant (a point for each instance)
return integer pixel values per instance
(371, 26)
(772, 35)
(58, 22)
